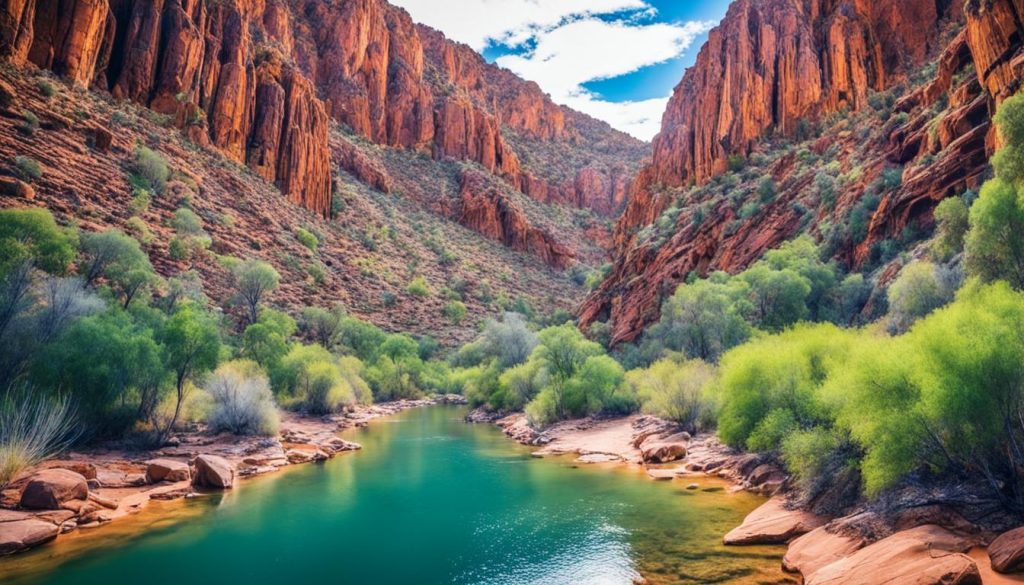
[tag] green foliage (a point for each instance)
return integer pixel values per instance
(952, 217)
(254, 280)
(266, 341)
(29, 123)
(675, 390)
(704, 319)
(242, 401)
(419, 287)
(455, 312)
(186, 222)
(27, 168)
(150, 169)
(918, 291)
(777, 373)
(192, 344)
(31, 235)
(307, 238)
(117, 258)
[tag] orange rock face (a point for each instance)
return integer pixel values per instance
(775, 66)
(486, 210)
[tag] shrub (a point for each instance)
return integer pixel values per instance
(266, 341)
(46, 88)
(31, 235)
(776, 373)
(952, 219)
(455, 312)
(312, 380)
(150, 169)
(28, 168)
(242, 401)
(307, 239)
(675, 391)
(322, 325)
(29, 123)
(418, 287)
(918, 291)
(510, 340)
(32, 428)
(186, 222)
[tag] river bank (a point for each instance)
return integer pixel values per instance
(86, 489)
(919, 538)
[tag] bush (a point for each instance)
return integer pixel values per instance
(418, 287)
(186, 222)
(455, 312)
(312, 380)
(28, 168)
(307, 239)
(781, 372)
(510, 340)
(952, 217)
(150, 169)
(32, 429)
(29, 123)
(46, 88)
(704, 319)
(675, 390)
(919, 290)
(32, 236)
(242, 401)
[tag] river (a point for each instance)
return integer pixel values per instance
(429, 500)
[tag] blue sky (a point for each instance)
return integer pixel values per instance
(616, 60)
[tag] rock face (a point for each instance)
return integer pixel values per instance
(261, 79)
(21, 535)
(1007, 552)
(50, 489)
(214, 471)
(772, 523)
(490, 212)
(771, 69)
(170, 470)
(817, 549)
(926, 555)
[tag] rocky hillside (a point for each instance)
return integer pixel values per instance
(849, 120)
(385, 131)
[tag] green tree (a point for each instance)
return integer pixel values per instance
(266, 340)
(254, 280)
(675, 390)
(31, 235)
(952, 218)
(192, 346)
(779, 296)
(115, 256)
(916, 292)
(704, 319)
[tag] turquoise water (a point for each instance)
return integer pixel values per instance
(429, 500)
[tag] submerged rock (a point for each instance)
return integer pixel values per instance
(772, 523)
(50, 489)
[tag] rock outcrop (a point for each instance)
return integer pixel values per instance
(485, 209)
(170, 470)
(778, 67)
(772, 523)
(20, 535)
(51, 489)
(920, 556)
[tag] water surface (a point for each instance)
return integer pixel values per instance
(430, 500)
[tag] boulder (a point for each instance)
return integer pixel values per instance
(85, 469)
(171, 470)
(926, 555)
(296, 456)
(772, 523)
(666, 449)
(1007, 552)
(12, 187)
(213, 471)
(816, 549)
(50, 489)
(22, 535)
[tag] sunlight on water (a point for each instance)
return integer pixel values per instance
(429, 500)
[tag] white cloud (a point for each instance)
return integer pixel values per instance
(566, 46)
(507, 22)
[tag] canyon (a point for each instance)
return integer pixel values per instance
(796, 71)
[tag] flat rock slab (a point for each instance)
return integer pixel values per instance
(772, 523)
(926, 555)
(22, 535)
(817, 549)
(1007, 551)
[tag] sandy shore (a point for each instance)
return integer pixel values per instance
(117, 480)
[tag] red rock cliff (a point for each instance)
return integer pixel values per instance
(771, 66)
